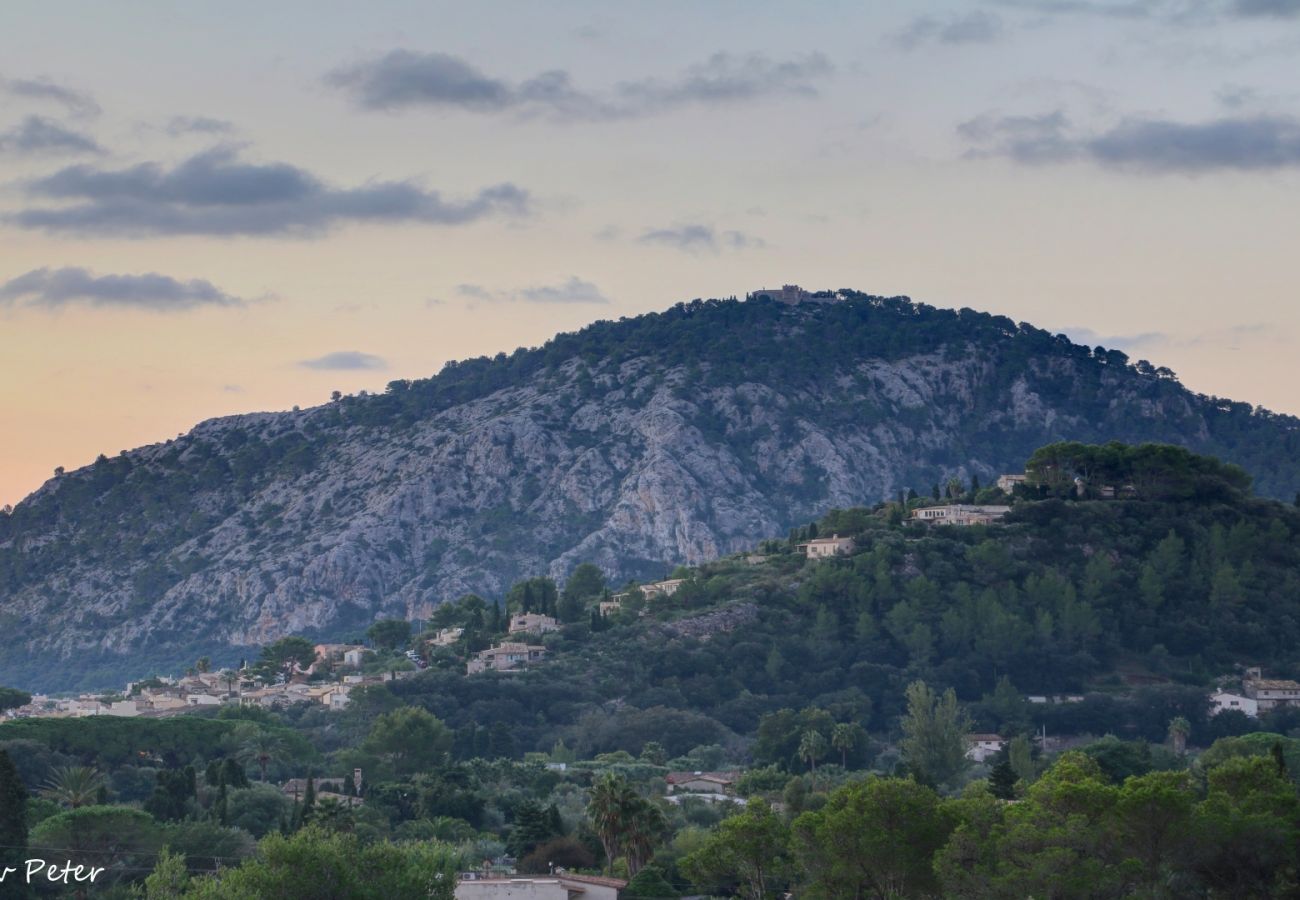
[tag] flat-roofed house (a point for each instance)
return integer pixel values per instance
(980, 747)
(959, 514)
(824, 548)
(533, 623)
(559, 886)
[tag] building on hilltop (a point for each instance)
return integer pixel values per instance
(960, 514)
(823, 548)
(789, 294)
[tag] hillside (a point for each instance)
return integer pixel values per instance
(670, 438)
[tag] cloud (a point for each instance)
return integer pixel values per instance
(1255, 143)
(402, 79)
(700, 238)
(574, 290)
(76, 102)
(216, 193)
(181, 125)
(345, 360)
(1091, 338)
(69, 286)
(976, 27)
(1274, 9)
(1223, 338)
(37, 134)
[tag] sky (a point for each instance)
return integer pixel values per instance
(209, 209)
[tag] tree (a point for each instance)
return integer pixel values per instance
(1002, 780)
(116, 838)
(409, 740)
(586, 583)
(846, 737)
(751, 849)
(74, 786)
(169, 879)
(286, 655)
(934, 735)
(13, 814)
(262, 747)
(873, 838)
(812, 746)
(11, 698)
(203, 664)
(229, 677)
(626, 823)
(390, 634)
(648, 884)
(1179, 729)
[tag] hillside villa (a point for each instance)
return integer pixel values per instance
(823, 548)
(959, 514)
(980, 747)
(533, 623)
(1221, 701)
(505, 657)
(1270, 693)
(662, 588)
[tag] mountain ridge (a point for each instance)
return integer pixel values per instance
(669, 438)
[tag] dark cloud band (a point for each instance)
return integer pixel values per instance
(57, 288)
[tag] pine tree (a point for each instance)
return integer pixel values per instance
(1002, 780)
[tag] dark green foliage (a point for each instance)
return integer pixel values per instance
(390, 634)
(1002, 780)
(13, 814)
(10, 698)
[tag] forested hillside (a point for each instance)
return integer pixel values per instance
(637, 445)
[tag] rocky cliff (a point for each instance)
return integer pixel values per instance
(636, 445)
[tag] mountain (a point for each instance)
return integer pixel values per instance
(668, 438)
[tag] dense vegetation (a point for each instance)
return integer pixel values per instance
(842, 688)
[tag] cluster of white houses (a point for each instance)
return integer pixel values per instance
(327, 682)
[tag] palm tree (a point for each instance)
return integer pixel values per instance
(262, 747)
(74, 786)
(606, 808)
(645, 826)
(229, 676)
(204, 664)
(812, 746)
(843, 738)
(1179, 729)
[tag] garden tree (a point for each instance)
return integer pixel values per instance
(409, 740)
(648, 884)
(565, 852)
(781, 732)
(1179, 729)
(533, 825)
(390, 634)
(1002, 780)
(287, 655)
(934, 735)
(263, 748)
(874, 838)
(653, 752)
(206, 845)
(1249, 825)
(1153, 829)
(11, 698)
(812, 746)
(13, 814)
(228, 678)
(169, 878)
(533, 595)
(750, 850)
(585, 583)
(627, 824)
(203, 664)
(173, 795)
(74, 786)
(1056, 842)
(122, 840)
(847, 737)
(257, 809)
(313, 864)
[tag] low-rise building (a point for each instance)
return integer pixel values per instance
(1270, 693)
(354, 656)
(533, 623)
(610, 606)
(823, 548)
(959, 514)
(662, 588)
(1221, 701)
(505, 657)
(980, 747)
(1009, 482)
(446, 637)
(559, 886)
(701, 782)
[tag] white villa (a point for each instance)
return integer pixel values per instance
(505, 657)
(823, 548)
(533, 623)
(960, 514)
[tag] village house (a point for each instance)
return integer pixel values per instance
(980, 747)
(354, 656)
(959, 514)
(1008, 482)
(662, 588)
(504, 657)
(609, 606)
(823, 548)
(1223, 700)
(559, 886)
(1270, 693)
(533, 623)
(701, 782)
(446, 637)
